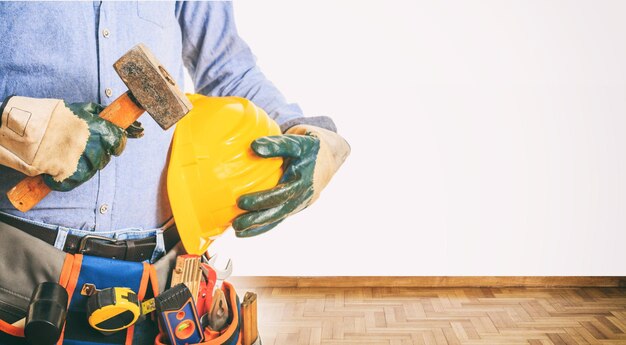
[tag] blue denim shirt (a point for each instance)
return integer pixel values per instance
(66, 50)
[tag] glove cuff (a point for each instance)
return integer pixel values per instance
(316, 121)
(333, 151)
(40, 135)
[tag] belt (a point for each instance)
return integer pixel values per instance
(128, 250)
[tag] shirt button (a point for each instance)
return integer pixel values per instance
(104, 208)
(108, 92)
(106, 33)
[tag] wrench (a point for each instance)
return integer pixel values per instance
(221, 274)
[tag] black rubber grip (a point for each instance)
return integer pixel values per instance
(172, 299)
(100, 299)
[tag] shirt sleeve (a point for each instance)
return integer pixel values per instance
(222, 64)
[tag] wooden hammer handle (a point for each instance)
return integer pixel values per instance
(31, 190)
(123, 111)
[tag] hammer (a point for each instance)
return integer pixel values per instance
(150, 89)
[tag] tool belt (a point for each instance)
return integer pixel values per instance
(26, 262)
(140, 277)
(127, 250)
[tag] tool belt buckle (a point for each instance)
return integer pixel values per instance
(83, 241)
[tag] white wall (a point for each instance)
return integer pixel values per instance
(489, 137)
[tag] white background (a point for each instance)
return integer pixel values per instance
(488, 137)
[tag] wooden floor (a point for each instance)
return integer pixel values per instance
(402, 316)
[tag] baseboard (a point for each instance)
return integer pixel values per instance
(429, 281)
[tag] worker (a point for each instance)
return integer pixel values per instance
(56, 76)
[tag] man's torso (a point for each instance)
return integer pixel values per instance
(66, 50)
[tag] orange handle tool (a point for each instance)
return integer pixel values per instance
(31, 190)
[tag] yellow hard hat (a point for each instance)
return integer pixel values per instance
(212, 164)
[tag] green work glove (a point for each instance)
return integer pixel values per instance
(312, 155)
(105, 140)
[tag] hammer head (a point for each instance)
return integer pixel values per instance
(152, 87)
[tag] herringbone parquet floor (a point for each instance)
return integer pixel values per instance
(472, 316)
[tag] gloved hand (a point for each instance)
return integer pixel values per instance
(312, 155)
(66, 143)
(105, 140)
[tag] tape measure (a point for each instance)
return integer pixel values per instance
(114, 309)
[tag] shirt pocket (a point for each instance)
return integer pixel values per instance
(160, 13)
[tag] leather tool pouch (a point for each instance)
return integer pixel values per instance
(231, 335)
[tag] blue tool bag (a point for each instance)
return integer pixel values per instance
(79, 270)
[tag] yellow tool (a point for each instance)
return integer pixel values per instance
(212, 164)
(114, 309)
(189, 272)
